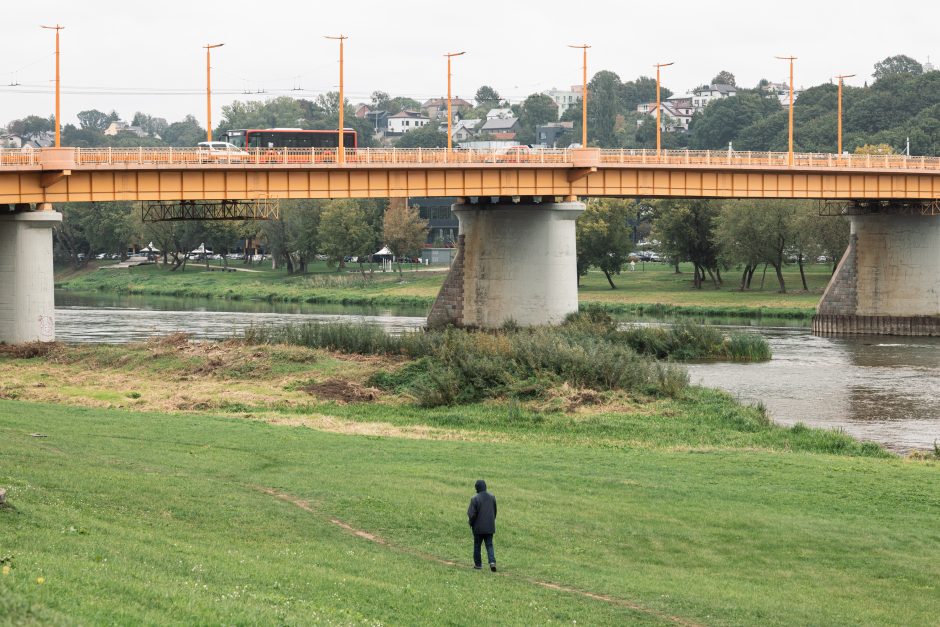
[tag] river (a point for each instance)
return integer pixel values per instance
(879, 388)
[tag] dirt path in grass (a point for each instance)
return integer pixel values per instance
(365, 535)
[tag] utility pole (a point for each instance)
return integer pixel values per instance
(450, 116)
(659, 108)
(791, 59)
(58, 123)
(841, 77)
(341, 144)
(584, 48)
(209, 48)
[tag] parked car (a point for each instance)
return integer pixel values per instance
(223, 152)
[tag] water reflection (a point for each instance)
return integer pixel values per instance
(119, 319)
(875, 388)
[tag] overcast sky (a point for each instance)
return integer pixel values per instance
(133, 56)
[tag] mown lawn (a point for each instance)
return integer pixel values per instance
(134, 517)
(650, 284)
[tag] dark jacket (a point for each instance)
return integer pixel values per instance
(482, 511)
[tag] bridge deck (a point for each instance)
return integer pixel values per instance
(109, 174)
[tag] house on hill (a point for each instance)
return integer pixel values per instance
(405, 121)
(436, 108)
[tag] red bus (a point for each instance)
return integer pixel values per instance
(289, 138)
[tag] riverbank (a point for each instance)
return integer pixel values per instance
(212, 481)
(653, 289)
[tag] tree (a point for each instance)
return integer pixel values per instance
(898, 64)
(427, 136)
(31, 124)
(536, 110)
(753, 232)
(91, 228)
(345, 230)
(93, 120)
(604, 237)
(724, 77)
(487, 96)
(184, 133)
(404, 230)
(605, 103)
(686, 229)
(875, 149)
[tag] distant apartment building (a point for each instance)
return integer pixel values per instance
(565, 98)
(405, 121)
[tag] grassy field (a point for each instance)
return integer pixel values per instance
(224, 483)
(652, 288)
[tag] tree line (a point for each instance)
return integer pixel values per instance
(337, 230)
(715, 236)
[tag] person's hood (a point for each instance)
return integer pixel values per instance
(480, 485)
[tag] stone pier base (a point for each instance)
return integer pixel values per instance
(515, 262)
(27, 303)
(888, 281)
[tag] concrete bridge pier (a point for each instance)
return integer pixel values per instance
(515, 261)
(27, 304)
(888, 281)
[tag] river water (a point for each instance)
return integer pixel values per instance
(879, 388)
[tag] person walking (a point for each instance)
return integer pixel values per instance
(482, 517)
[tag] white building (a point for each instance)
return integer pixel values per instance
(499, 114)
(706, 93)
(565, 98)
(405, 121)
(782, 91)
(122, 127)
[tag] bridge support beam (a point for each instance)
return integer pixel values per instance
(888, 281)
(515, 262)
(27, 304)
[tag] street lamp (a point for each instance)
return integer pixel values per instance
(583, 47)
(341, 145)
(208, 48)
(450, 117)
(791, 59)
(56, 28)
(659, 108)
(840, 77)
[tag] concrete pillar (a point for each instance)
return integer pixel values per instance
(27, 303)
(514, 262)
(888, 282)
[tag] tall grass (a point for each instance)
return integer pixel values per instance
(456, 366)
(684, 341)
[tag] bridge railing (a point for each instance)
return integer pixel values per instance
(353, 157)
(767, 159)
(19, 156)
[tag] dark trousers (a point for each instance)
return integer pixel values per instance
(478, 539)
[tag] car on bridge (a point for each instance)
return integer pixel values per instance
(220, 152)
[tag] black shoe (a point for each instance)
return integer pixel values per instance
(493, 567)
(477, 568)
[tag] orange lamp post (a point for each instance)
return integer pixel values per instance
(659, 108)
(791, 59)
(841, 77)
(341, 144)
(584, 48)
(58, 123)
(450, 115)
(209, 48)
